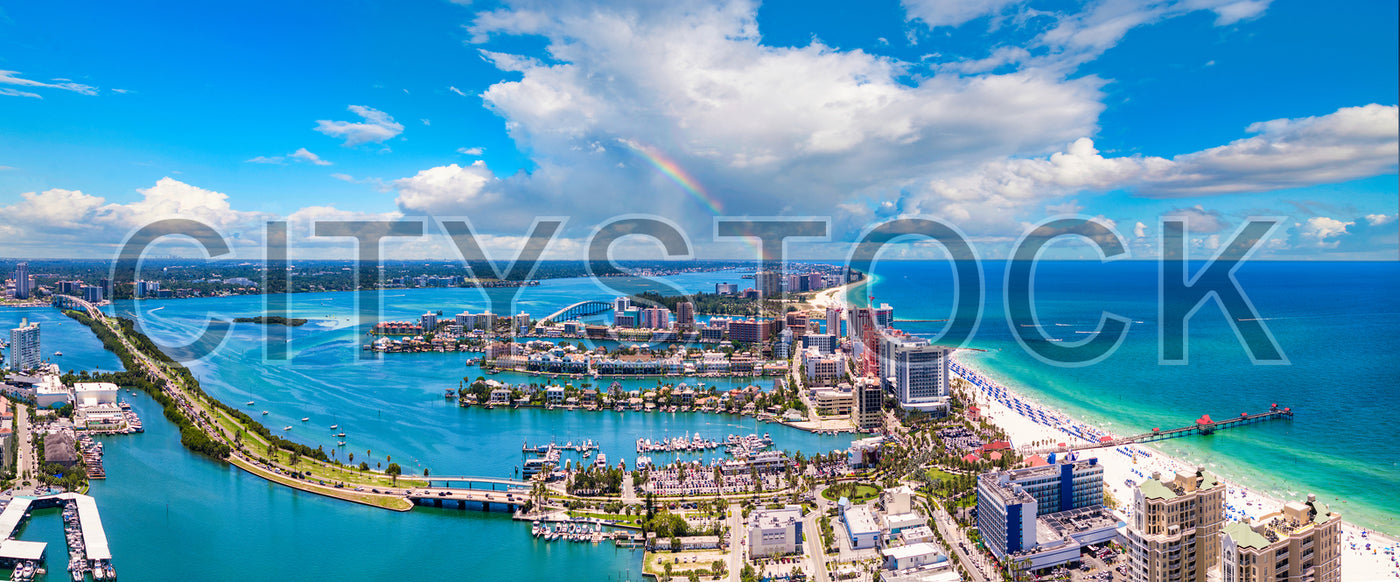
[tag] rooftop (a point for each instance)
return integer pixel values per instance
(919, 549)
(859, 520)
(1181, 484)
(1245, 536)
(1053, 527)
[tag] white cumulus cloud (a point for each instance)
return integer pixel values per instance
(376, 127)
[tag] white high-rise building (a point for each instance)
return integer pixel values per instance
(920, 373)
(23, 286)
(24, 346)
(622, 304)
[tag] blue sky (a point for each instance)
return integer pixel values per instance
(990, 115)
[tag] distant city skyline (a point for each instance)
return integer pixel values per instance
(991, 116)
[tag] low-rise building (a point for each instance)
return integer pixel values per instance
(897, 522)
(912, 556)
(833, 401)
(897, 499)
(775, 532)
(860, 526)
(914, 535)
(50, 392)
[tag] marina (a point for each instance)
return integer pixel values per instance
(88, 552)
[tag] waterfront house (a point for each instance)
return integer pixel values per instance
(554, 395)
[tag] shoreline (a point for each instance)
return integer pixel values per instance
(1138, 461)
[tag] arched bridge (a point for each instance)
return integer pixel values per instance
(71, 302)
(580, 309)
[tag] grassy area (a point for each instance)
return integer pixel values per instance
(328, 472)
(617, 517)
(863, 492)
(700, 561)
(384, 501)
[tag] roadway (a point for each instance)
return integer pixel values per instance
(25, 440)
(200, 415)
(737, 541)
(816, 553)
(976, 566)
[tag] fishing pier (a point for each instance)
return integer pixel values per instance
(1203, 426)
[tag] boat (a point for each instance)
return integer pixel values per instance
(58, 353)
(305, 418)
(339, 435)
(340, 443)
(288, 427)
(334, 426)
(250, 403)
(264, 412)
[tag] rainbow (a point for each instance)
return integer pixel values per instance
(676, 173)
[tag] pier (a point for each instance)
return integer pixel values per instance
(1203, 426)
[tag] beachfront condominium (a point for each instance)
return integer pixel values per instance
(622, 304)
(726, 289)
(919, 371)
(884, 315)
(1010, 505)
(1175, 531)
(23, 286)
(24, 346)
(1301, 541)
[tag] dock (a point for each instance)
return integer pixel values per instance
(24, 557)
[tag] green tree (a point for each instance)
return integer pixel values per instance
(394, 471)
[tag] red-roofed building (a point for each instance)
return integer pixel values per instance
(1037, 461)
(994, 457)
(996, 446)
(971, 458)
(974, 413)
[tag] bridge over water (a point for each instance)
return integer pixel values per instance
(580, 309)
(485, 493)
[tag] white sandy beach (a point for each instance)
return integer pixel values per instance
(1027, 422)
